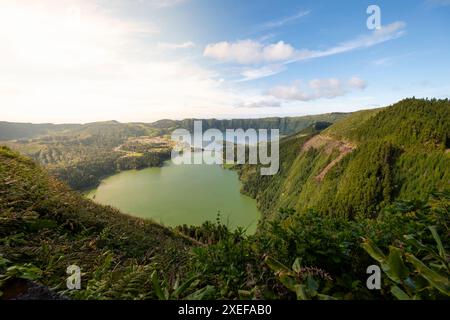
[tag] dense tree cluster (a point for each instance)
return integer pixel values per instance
(400, 152)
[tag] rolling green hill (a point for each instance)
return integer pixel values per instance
(361, 163)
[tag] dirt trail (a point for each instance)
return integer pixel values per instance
(328, 144)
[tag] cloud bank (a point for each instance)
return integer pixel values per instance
(317, 89)
(249, 51)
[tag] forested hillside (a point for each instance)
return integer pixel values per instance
(360, 164)
(83, 155)
(45, 227)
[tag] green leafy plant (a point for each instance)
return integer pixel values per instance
(411, 277)
(25, 271)
(165, 290)
(299, 280)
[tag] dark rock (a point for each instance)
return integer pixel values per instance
(21, 289)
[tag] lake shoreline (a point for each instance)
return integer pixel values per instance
(201, 192)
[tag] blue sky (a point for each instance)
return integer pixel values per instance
(80, 61)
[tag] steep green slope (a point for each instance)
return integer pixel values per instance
(408, 123)
(45, 224)
(361, 163)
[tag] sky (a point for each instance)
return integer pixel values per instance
(78, 61)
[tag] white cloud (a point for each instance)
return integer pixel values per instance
(261, 103)
(357, 83)
(383, 61)
(317, 89)
(175, 46)
(249, 51)
(257, 73)
(285, 20)
(385, 33)
(254, 52)
(277, 51)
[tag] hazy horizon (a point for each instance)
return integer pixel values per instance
(181, 119)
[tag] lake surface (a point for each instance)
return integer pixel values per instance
(180, 194)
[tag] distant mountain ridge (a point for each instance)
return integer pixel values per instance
(286, 125)
(18, 130)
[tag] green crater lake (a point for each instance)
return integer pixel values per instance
(180, 194)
